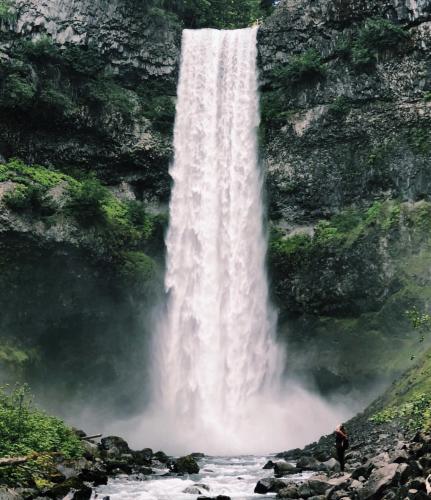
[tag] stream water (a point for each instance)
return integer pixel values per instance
(235, 477)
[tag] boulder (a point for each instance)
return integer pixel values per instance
(114, 445)
(142, 457)
(95, 476)
(425, 462)
(294, 454)
(269, 465)
(284, 469)
(192, 490)
(186, 465)
(313, 487)
(399, 456)
(269, 485)
(380, 479)
(84, 493)
(197, 455)
(364, 471)
(331, 465)
(308, 463)
(290, 491)
(161, 457)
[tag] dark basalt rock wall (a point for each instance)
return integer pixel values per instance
(340, 139)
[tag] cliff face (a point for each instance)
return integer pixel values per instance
(89, 86)
(346, 120)
(107, 93)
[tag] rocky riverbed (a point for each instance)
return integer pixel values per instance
(382, 463)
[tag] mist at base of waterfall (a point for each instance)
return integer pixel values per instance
(292, 418)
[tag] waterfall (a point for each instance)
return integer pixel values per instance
(216, 365)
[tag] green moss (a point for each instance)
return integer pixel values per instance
(420, 140)
(7, 11)
(104, 92)
(307, 66)
(340, 106)
(17, 92)
(138, 267)
(374, 36)
(381, 34)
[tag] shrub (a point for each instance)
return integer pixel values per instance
(106, 93)
(300, 68)
(86, 201)
(7, 12)
(25, 429)
(54, 100)
(340, 106)
(362, 57)
(160, 110)
(381, 34)
(138, 268)
(18, 92)
(42, 50)
(31, 197)
(413, 415)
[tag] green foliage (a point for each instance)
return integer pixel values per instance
(420, 322)
(31, 197)
(17, 171)
(138, 268)
(7, 12)
(221, 14)
(17, 92)
(374, 36)
(288, 246)
(104, 92)
(340, 106)
(381, 34)
(87, 201)
(414, 414)
(25, 429)
(307, 66)
(362, 57)
(338, 233)
(52, 84)
(420, 140)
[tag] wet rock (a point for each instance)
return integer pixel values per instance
(399, 456)
(84, 493)
(364, 471)
(331, 465)
(380, 479)
(308, 463)
(269, 465)
(290, 491)
(294, 454)
(143, 457)
(417, 483)
(193, 490)
(95, 476)
(73, 485)
(269, 485)
(115, 445)
(284, 469)
(161, 457)
(197, 455)
(186, 465)
(313, 487)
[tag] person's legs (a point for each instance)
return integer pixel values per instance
(340, 455)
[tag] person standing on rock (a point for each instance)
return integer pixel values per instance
(341, 444)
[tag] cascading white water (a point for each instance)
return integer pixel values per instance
(217, 367)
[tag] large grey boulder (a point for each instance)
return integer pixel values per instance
(284, 469)
(380, 479)
(269, 485)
